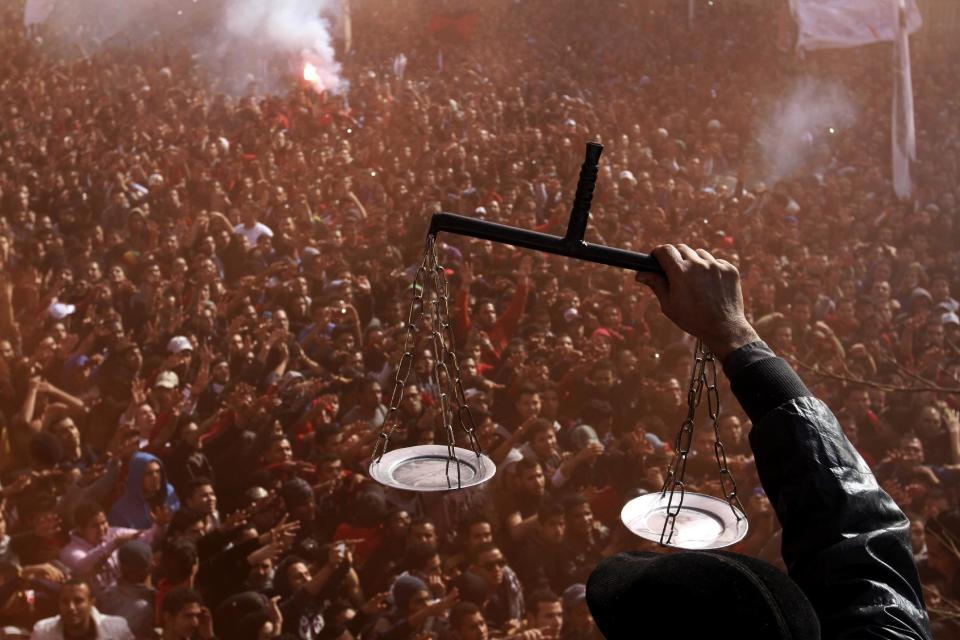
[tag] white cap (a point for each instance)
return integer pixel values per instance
(178, 344)
(628, 175)
(167, 380)
(950, 318)
(60, 310)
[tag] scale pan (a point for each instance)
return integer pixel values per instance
(704, 522)
(424, 468)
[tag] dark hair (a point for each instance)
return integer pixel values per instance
(177, 599)
(281, 582)
(419, 520)
(524, 464)
(571, 502)
(539, 597)
(326, 457)
(195, 483)
(527, 389)
(178, 559)
(182, 520)
(461, 612)
(85, 511)
(417, 556)
(549, 509)
(537, 427)
(483, 548)
(77, 582)
(474, 518)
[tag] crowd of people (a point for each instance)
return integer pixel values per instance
(204, 302)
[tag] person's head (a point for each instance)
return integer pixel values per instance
(422, 531)
(731, 426)
(604, 375)
(90, 522)
(200, 495)
(278, 450)
(188, 523)
(858, 402)
(551, 521)
(545, 612)
(411, 402)
(929, 422)
(299, 499)
(488, 562)
(248, 214)
(292, 574)
(476, 531)
(672, 392)
(467, 622)
(329, 467)
(261, 574)
(542, 439)
(485, 314)
(423, 561)
(530, 478)
(576, 613)
(911, 449)
(66, 431)
(528, 403)
(152, 479)
(370, 394)
(181, 613)
(75, 604)
(136, 561)
(579, 515)
(179, 561)
(410, 594)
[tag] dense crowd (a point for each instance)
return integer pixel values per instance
(204, 300)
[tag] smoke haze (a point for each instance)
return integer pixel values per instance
(799, 121)
(238, 40)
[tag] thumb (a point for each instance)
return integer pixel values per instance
(655, 281)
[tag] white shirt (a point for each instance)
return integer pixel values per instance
(108, 628)
(253, 233)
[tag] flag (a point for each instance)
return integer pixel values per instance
(903, 130)
(830, 24)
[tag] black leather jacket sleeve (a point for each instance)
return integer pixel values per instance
(845, 541)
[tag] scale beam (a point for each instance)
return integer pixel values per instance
(571, 245)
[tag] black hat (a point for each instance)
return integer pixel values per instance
(715, 594)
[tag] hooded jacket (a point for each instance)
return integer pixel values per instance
(132, 509)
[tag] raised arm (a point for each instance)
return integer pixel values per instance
(845, 541)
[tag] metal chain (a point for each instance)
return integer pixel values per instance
(446, 370)
(414, 316)
(727, 484)
(703, 362)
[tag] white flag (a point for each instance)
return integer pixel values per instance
(903, 131)
(829, 24)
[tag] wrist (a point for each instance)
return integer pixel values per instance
(730, 338)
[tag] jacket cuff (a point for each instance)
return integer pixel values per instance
(763, 385)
